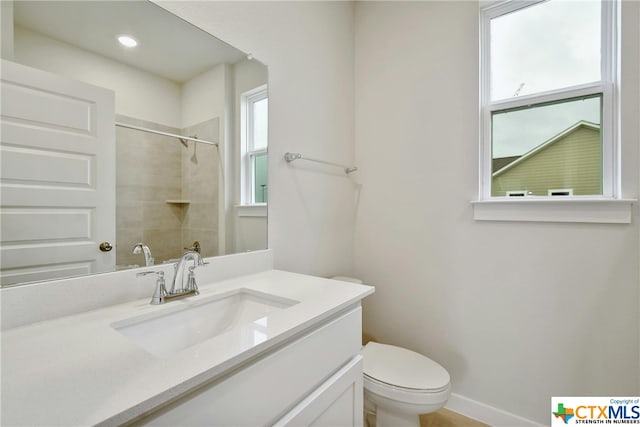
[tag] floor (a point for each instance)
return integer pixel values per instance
(447, 418)
(441, 418)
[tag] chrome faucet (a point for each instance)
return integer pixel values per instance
(142, 248)
(177, 287)
(177, 291)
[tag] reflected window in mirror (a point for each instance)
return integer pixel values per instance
(255, 113)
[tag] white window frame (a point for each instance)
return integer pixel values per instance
(610, 205)
(247, 100)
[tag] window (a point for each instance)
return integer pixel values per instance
(548, 96)
(254, 137)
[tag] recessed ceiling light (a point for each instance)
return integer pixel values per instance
(127, 41)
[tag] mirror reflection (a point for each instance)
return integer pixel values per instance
(188, 140)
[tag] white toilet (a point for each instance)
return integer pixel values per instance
(400, 384)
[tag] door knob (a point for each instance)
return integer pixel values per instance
(105, 246)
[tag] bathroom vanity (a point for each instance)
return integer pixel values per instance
(265, 348)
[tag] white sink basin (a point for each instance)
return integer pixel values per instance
(188, 322)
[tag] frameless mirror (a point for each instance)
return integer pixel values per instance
(187, 135)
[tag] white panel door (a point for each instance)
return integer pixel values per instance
(57, 176)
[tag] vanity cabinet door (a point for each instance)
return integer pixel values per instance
(336, 403)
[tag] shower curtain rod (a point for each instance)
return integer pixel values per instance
(186, 138)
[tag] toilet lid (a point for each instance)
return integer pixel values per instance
(403, 368)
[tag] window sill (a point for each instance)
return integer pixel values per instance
(589, 210)
(258, 209)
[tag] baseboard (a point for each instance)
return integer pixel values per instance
(487, 414)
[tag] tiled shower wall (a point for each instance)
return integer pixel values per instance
(154, 169)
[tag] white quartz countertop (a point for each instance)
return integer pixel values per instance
(79, 370)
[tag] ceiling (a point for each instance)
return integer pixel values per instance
(167, 45)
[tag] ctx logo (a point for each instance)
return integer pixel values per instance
(582, 412)
(594, 412)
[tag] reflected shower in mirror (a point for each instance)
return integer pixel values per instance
(166, 190)
(176, 87)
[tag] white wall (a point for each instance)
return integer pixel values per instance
(203, 97)
(249, 74)
(6, 30)
(308, 47)
(138, 94)
(517, 312)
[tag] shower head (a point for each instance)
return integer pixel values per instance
(194, 158)
(184, 141)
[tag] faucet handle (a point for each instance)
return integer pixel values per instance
(191, 281)
(194, 247)
(161, 290)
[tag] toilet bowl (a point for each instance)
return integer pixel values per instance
(400, 384)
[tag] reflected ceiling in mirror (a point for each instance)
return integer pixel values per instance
(166, 45)
(171, 194)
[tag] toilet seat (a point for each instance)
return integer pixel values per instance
(378, 383)
(401, 374)
(405, 395)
